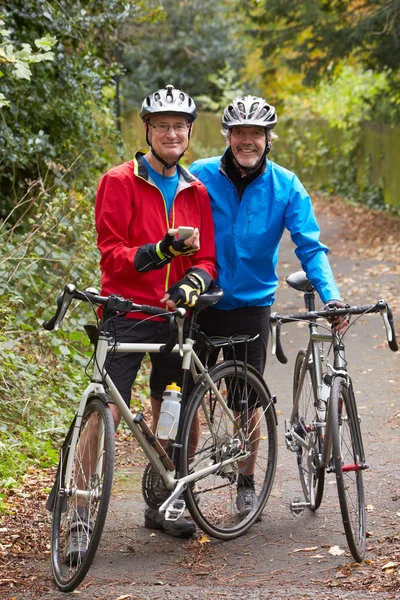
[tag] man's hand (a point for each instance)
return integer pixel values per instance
(185, 292)
(156, 256)
(338, 322)
(170, 247)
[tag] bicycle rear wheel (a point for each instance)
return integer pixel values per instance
(212, 498)
(81, 504)
(306, 425)
(348, 458)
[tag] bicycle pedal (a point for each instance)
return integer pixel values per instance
(297, 507)
(290, 443)
(175, 510)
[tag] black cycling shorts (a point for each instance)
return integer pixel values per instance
(250, 320)
(123, 367)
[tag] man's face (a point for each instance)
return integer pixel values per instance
(247, 144)
(169, 135)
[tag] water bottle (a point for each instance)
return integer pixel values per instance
(170, 411)
(324, 391)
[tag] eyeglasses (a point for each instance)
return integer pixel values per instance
(164, 128)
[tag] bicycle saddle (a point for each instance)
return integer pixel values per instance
(209, 297)
(299, 281)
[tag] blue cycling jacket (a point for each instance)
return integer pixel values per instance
(248, 233)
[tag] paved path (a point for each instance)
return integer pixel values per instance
(282, 556)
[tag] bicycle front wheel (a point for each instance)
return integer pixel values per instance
(81, 501)
(308, 426)
(223, 445)
(348, 460)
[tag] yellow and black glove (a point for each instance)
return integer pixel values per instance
(170, 247)
(155, 256)
(186, 292)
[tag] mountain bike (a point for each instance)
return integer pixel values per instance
(324, 427)
(231, 401)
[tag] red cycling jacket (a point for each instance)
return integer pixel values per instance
(131, 211)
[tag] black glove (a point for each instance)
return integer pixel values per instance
(186, 292)
(155, 256)
(337, 321)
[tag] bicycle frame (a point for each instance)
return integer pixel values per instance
(191, 361)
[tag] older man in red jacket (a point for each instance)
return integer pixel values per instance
(139, 207)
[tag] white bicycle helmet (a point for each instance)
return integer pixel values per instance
(168, 101)
(251, 111)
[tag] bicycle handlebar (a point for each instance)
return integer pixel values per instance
(381, 306)
(117, 304)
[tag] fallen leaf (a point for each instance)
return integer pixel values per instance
(311, 549)
(369, 508)
(336, 551)
(125, 597)
(204, 539)
(342, 575)
(390, 565)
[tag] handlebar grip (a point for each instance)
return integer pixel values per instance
(280, 355)
(153, 310)
(365, 308)
(50, 323)
(393, 345)
(63, 301)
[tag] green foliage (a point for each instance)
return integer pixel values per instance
(319, 34)
(324, 126)
(20, 60)
(57, 122)
(188, 44)
(57, 132)
(41, 375)
(227, 87)
(315, 36)
(345, 100)
(38, 397)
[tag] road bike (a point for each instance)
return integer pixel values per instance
(230, 400)
(324, 427)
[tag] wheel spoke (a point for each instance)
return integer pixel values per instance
(306, 427)
(213, 499)
(81, 503)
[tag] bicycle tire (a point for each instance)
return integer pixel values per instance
(83, 515)
(306, 422)
(348, 459)
(211, 500)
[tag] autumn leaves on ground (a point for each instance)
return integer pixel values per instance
(24, 528)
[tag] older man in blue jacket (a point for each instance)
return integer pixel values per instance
(253, 200)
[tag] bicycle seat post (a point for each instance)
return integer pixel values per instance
(309, 300)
